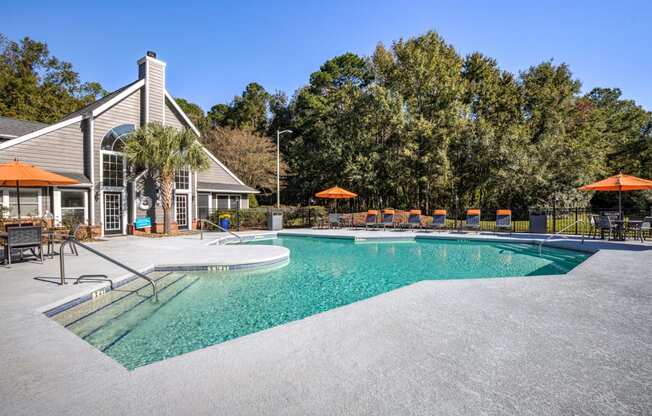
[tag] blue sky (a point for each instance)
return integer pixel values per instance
(214, 48)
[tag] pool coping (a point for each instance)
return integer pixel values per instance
(55, 308)
(576, 241)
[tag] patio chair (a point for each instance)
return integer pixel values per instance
(22, 224)
(472, 219)
(371, 219)
(388, 218)
(605, 223)
(414, 219)
(646, 227)
(593, 226)
(439, 219)
(504, 220)
(22, 238)
(333, 220)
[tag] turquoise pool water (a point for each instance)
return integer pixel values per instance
(201, 309)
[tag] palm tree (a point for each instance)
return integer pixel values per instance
(163, 150)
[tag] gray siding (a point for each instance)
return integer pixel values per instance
(147, 187)
(156, 91)
(215, 174)
(61, 150)
(172, 118)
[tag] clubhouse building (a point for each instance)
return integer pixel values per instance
(87, 146)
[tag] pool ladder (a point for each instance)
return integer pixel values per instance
(219, 228)
(73, 242)
(558, 233)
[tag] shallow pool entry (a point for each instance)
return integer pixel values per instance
(198, 309)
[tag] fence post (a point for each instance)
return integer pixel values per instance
(554, 215)
(576, 209)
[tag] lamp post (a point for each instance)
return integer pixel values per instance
(278, 166)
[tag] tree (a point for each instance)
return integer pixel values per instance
(37, 86)
(248, 155)
(194, 113)
(247, 112)
(163, 150)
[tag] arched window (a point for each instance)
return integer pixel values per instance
(113, 161)
(114, 139)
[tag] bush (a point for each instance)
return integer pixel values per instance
(253, 202)
(256, 218)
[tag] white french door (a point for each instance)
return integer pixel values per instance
(112, 213)
(181, 210)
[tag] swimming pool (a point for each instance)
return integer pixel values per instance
(198, 309)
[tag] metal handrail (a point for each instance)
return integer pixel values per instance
(74, 242)
(201, 231)
(558, 233)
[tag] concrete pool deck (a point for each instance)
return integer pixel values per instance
(579, 343)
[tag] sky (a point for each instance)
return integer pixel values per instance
(213, 49)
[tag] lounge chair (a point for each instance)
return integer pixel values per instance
(472, 219)
(439, 219)
(414, 219)
(388, 218)
(22, 238)
(504, 220)
(372, 219)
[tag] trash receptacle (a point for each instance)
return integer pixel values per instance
(538, 223)
(275, 220)
(225, 221)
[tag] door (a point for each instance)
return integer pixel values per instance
(112, 213)
(181, 207)
(202, 205)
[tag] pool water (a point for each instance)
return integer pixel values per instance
(198, 309)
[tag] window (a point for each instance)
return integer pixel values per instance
(202, 205)
(182, 179)
(113, 169)
(113, 162)
(235, 201)
(28, 202)
(114, 139)
(221, 202)
(73, 206)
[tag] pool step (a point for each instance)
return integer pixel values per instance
(107, 335)
(87, 317)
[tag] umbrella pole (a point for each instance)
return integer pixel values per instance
(18, 199)
(620, 205)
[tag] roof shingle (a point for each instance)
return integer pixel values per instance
(11, 128)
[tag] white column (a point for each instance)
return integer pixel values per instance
(56, 194)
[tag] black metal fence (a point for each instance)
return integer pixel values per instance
(545, 220)
(256, 218)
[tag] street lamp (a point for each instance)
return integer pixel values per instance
(278, 166)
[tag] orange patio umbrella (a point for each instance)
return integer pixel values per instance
(620, 183)
(336, 193)
(21, 174)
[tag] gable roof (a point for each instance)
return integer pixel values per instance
(11, 128)
(94, 109)
(92, 106)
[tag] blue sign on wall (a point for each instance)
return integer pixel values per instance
(143, 222)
